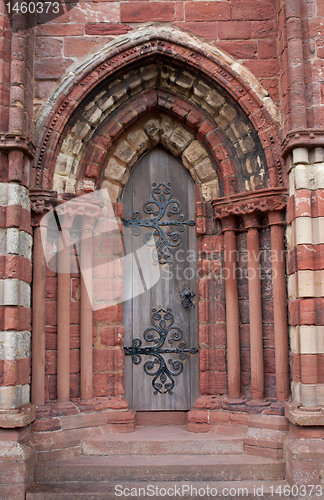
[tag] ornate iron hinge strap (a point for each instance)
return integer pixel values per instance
(162, 325)
(162, 200)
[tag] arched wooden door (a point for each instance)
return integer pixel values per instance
(160, 315)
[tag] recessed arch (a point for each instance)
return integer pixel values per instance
(215, 67)
(155, 130)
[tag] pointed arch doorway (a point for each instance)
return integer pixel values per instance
(160, 315)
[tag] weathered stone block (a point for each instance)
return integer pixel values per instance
(149, 74)
(247, 145)
(300, 155)
(64, 164)
(14, 345)
(81, 129)
(71, 145)
(213, 102)
(114, 190)
(126, 153)
(226, 115)
(14, 396)
(210, 190)
(119, 90)
(139, 140)
(199, 91)
(114, 170)
(205, 170)
(18, 195)
(167, 126)
(179, 140)
(193, 153)
(152, 129)
(3, 193)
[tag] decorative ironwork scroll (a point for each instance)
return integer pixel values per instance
(162, 328)
(187, 295)
(161, 204)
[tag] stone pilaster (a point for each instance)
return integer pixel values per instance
(305, 240)
(305, 243)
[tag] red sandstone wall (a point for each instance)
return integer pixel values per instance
(256, 32)
(247, 30)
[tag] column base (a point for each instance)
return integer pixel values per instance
(304, 445)
(17, 460)
(304, 455)
(211, 410)
(304, 415)
(17, 464)
(21, 417)
(78, 414)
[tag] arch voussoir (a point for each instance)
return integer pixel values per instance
(139, 109)
(211, 95)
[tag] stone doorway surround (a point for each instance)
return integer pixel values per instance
(160, 72)
(215, 116)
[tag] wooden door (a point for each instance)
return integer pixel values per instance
(159, 206)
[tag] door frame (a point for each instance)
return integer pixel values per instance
(193, 374)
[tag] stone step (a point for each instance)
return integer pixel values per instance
(223, 490)
(160, 468)
(166, 440)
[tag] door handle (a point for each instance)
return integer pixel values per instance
(187, 295)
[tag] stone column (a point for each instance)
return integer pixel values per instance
(63, 310)
(86, 315)
(256, 337)
(232, 308)
(91, 213)
(41, 201)
(277, 223)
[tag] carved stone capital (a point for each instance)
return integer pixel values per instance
(310, 138)
(251, 220)
(229, 223)
(13, 142)
(42, 200)
(263, 201)
(276, 218)
(89, 211)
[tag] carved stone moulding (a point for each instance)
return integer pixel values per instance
(41, 201)
(263, 201)
(88, 209)
(309, 138)
(13, 142)
(71, 206)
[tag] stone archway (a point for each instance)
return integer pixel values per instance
(205, 108)
(153, 131)
(212, 94)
